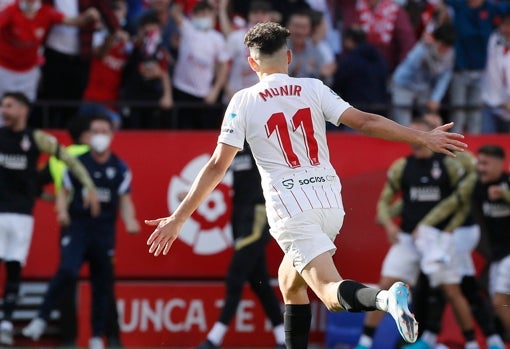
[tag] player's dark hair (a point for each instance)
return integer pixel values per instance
(101, 117)
(492, 150)
(77, 127)
(19, 97)
(445, 33)
(267, 38)
(202, 6)
(148, 18)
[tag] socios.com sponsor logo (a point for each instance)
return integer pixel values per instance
(312, 180)
(289, 183)
(208, 231)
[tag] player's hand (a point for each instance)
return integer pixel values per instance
(91, 200)
(167, 230)
(440, 140)
(133, 226)
(392, 231)
(63, 218)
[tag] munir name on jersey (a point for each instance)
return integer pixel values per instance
(286, 90)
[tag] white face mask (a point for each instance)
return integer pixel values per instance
(100, 142)
(202, 23)
(29, 8)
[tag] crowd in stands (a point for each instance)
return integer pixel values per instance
(171, 64)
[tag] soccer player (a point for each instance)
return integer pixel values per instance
(423, 179)
(90, 238)
(283, 120)
(491, 204)
(20, 148)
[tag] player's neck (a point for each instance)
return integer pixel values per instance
(18, 126)
(267, 72)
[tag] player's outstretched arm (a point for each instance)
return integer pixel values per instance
(167, 229)
(438, 140)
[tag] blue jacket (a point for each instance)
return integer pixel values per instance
(415, 72)
(473, 27)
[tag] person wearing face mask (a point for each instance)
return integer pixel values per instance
(20, 149)
(53, 172)
(145, 75)
(90, 239)
(111, 52)
(422, 79)
(201, 70)
(24, 26)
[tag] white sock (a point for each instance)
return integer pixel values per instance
(217, 333)
(381, 300)
(429, 338)
(6, 325)
(495, 340)
(472, 345)
(365, 341)
(279, 334)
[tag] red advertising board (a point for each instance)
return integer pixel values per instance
(179, 314)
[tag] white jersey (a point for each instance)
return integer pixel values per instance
(241, 75)
(283, 120)
(199, 51)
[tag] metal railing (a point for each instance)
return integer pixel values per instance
(44, 109)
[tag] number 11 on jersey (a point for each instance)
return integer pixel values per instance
(302, 119)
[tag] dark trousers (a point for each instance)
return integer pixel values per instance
(248, 264)
(68, 316)
(83, 242)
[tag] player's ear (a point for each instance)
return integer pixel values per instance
(253, 64)
(289, 56)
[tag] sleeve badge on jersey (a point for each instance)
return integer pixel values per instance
(227, 126)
